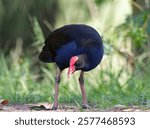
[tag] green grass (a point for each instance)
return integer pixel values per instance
(23, 79)
(20, 82)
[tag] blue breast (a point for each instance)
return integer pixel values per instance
(64, 54)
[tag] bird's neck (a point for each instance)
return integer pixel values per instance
(94, 57)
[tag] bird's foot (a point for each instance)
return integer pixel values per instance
(54, 107)
(85, 106)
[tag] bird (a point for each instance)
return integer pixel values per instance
(78, 47)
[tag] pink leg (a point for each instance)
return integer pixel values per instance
(57, 80)
(84, 99)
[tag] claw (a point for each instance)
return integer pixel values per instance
(85, 106)
(54, 108)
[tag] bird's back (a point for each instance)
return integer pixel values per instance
(71, 40)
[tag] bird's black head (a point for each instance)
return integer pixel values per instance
(82, 62)
(79, 62)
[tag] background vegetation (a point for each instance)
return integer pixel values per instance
(121, 78)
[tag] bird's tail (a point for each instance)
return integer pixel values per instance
(46, 57)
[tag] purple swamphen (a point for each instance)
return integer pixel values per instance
(76, 46)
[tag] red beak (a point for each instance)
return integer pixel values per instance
(72, 68)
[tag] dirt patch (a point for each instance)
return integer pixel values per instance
(46, 107)
(42, 107)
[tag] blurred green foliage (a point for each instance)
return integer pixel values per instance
(15, 19)
(99, 2)
(122, 77)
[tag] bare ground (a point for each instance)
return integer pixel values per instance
(46, 107)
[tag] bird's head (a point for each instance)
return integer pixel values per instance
(77, 63)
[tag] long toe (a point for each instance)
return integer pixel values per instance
(85, 106)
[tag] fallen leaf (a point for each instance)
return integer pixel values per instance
(40, 107)
(4, 102)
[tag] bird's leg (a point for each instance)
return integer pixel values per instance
(57, 80)
(84, 99)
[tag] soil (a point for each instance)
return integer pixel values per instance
(46, 107)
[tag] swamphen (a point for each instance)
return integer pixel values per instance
(76, 46)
